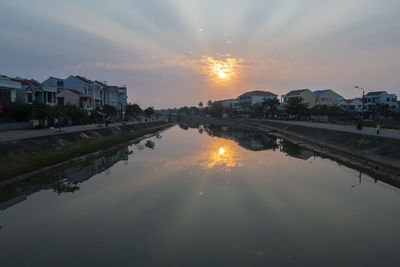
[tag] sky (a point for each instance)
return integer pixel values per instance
(172, 53)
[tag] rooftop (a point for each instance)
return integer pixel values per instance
(320, 92)
(296, 92)
(258, 93)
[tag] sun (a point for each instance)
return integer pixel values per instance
(221, 150)
(221, 71)
(222, 74)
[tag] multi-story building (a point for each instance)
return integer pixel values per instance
(373, 99)
(97, 92)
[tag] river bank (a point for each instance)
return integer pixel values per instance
(375, 155)
(22, 159)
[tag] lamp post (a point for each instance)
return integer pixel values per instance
(363, 102)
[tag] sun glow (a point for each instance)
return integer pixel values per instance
(221, 71)
(221, 150)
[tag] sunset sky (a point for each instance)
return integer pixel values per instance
(177, 52)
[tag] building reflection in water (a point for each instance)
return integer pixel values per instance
(64, 181)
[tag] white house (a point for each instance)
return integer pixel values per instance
(351, 104)
(8, 89)
(255, 97)
(382, 98)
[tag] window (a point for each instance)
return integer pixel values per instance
(29, 98)
(369, 100)
(393, 99)
(387, 99)
(393, 107)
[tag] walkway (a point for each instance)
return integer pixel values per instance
(24, 134)
(344, 128)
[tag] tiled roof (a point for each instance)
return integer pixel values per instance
(296, 92)
(58, 79)
(74, 91)
(101, 83)
(83, 79)
(258, 93)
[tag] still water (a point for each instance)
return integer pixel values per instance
(202, 196)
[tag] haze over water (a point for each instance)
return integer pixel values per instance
(174, 52)
(202, 196)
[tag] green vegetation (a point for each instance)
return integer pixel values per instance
(18, 165)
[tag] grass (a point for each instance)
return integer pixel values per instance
(21, 164)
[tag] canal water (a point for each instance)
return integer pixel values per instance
(202, 196)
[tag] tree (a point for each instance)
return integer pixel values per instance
(215, 109)
(133, 110)
(296, 106)
(148, 112)
(209, 103)
(109, 110)
(200, 105)
(270, 105)
(184, 111)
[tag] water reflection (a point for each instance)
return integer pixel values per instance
(67, 180)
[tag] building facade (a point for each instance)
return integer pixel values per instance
(308, 97)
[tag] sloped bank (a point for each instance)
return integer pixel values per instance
(23, 158)
(375, 155)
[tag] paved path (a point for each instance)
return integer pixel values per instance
(344, 128)
(24, 134)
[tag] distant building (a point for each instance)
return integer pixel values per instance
(372, 99)
(327, 97)
(8, 89)
(226, 103)
(305, 94)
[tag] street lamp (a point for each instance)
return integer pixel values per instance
(363, 102)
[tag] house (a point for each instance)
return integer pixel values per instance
(78, 83)
(255, 97)
(73, 97)
(327, 97)
(32, 90)
(8, 89)
(248, 99)
(352, 105)
(305, 94)
(373, 99)
(83, 86)
(54, 82)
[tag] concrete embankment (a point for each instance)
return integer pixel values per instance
(49, 142)
(375, 155)
(23, 158)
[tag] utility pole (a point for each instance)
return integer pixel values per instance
(363, 101)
